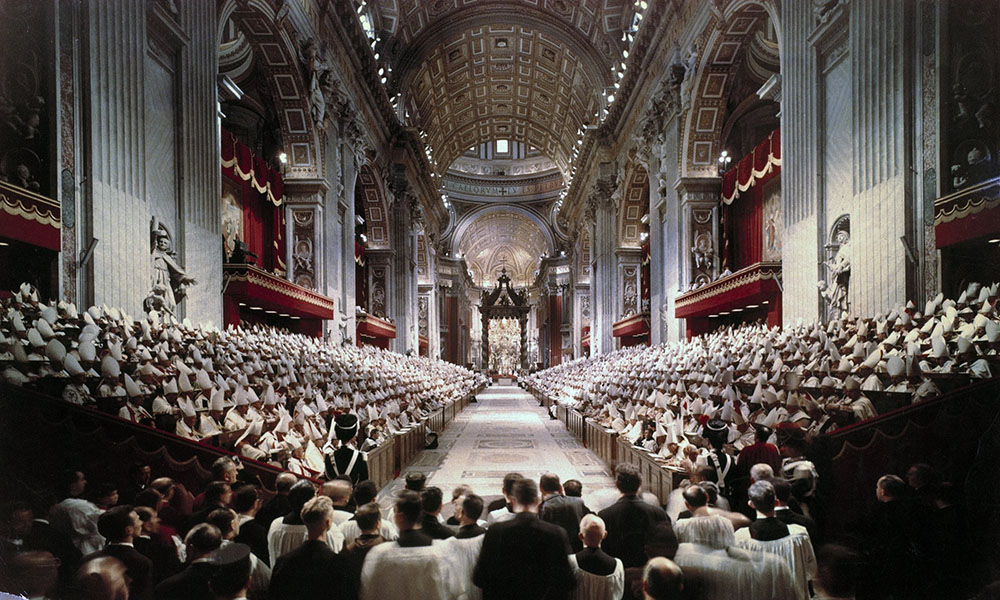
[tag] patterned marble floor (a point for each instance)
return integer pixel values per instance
(504, 431)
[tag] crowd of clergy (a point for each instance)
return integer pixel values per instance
(264, 393)
(148, 537)
(809, 378)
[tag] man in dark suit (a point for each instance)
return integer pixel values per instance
(432, 499)
(161, 552)
(246, 503)
(312, 570)
(561, 510)
(630, 519)
(369, 520)
(782, 492)
(21, 532)
(120, 525)
(766, 527)
(503, 501)
(193, 582)
(467, 513)
(217, 495)
(278, 505)
(524, 557)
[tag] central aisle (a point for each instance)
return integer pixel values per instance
(504, 431)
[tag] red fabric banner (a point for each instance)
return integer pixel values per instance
(261, 196)
(761, 164)
(743, 222)
(240, 162)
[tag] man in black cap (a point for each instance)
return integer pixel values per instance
(347, 459)
(717, 433)
(232, 572)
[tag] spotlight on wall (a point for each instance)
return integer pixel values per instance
(283, 157)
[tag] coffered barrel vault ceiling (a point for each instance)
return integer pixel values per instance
(532, 71)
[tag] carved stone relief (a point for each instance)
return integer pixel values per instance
(630, 290)
(378, 291)
(584, 300)
(702, 247)
(422, 312)
(304, 248)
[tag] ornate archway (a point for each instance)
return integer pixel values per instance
(505, 302)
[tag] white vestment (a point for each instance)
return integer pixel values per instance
(598, 587)
(464, 554)
(282, 538)
(351, 531)
(392, 572)
(77, 518)
(795, 549)
(720, 570)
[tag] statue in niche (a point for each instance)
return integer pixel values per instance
(170, 281)
(690, 64)
(834, 289)
(319, 77)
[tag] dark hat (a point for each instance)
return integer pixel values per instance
(232, 568)
(715, 427)
(346, 427)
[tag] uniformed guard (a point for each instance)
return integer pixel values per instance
(716, 432)
(346, 459)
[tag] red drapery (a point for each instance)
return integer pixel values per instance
(743, 221)
(240, 162)
(762, 163)
(262, 199)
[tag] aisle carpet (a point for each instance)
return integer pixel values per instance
(505, 430)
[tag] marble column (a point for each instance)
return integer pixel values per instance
(658, 294)
(601, 212)
(402, 296)
(667, 277)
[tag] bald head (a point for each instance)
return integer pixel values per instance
(662, 579)
(102, 578)
(284, 482)
(592, 531)
(338, 490)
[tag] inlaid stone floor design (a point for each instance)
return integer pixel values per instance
(504, 431)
